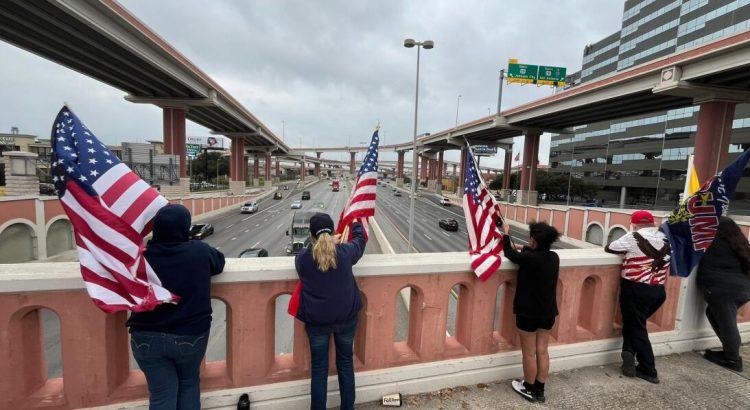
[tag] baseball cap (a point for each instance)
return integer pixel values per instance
(320, 223)
(641, 217)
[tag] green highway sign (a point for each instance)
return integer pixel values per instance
(551, 75)
(534, 74)
(192, 150)
(522, 73)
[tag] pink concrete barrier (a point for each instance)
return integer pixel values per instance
(95, 346)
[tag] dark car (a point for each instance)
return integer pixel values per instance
(396, 193)
(254, 253)
(277, 195)
(448, 224)
(200, 231)
(305, 195)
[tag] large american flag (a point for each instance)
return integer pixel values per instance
(111, 210)
(361, 203)
(482, 213)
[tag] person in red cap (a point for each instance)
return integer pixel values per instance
(645, 267)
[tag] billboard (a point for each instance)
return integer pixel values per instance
(210, 142)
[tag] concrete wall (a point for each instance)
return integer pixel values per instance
(484, 348)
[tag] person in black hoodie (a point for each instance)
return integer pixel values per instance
(724, 278)
(535, 305)
(329, 304)
(170, 341)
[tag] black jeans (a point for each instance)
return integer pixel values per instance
(722, 314)
(638, 301)
(343, 337)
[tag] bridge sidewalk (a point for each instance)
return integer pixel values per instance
(687, 382)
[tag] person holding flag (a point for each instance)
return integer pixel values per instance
(166, 286)
(327, 298)
(702, 237)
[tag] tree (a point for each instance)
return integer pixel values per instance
(497, 182)
(204, 165)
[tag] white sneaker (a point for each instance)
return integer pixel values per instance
(518, 386)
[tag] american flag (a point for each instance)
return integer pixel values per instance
(361, 203)
(482, 213)
(111, 210)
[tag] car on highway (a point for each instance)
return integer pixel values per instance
(286, 187)
(396, 193)
(449, 224)
(445, 201)
(300, 232)
(319, 205)
(249, 207)
(394, 189)
(200, 231)
(296, 205)
(254, 253)
(305, 195)
(277, 195)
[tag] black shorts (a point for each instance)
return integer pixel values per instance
(532, 324)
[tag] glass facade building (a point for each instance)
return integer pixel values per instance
(641, 161)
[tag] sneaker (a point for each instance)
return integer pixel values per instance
(651, 379)
(524, 390)
(628, 363)
(719, 358)
(539, 396)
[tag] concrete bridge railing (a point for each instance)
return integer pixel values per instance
(483, 347)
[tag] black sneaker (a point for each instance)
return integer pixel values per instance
(526, 391)
(539, 396)
(647, 377)
(719, 358)
(628, 363)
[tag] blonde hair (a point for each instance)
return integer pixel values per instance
(324, 251)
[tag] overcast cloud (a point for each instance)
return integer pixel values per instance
(329, 69)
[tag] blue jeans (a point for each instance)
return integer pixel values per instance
(343, 337)
(171, 364)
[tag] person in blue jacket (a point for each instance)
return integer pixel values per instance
(170, 341)
(329, 304)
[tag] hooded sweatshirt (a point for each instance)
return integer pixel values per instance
(185, 268)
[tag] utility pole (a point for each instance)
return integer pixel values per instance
(500, 91)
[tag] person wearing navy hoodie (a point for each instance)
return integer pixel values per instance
(170, 341)
(329, 304)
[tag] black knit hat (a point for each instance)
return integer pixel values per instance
(320, 223)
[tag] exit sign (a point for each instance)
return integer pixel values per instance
(535, 74)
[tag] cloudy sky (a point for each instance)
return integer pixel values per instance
(329, 69)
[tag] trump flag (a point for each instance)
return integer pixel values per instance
(691, 227)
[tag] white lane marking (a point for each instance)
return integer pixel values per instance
(256, 244)
(218, 247)
(234, 239)
(257, 225)
(229, 226)
(446, 234)
(425, 235)
(245, 219)
(280, 225)
(247, 230)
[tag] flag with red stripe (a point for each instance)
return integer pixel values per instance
(482, 213)
(359, 207)
(111, 210)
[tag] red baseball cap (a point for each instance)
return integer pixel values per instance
(641, 217)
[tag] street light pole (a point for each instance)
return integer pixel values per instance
(458, 102)
(500, 90)
(427, 44)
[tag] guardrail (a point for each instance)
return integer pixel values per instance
(95, 346)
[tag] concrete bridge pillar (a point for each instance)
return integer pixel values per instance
(174, 142)
(400, 169)
(278, 169)
(712, 138)
(431, 174)
(440, 171)
(461, 177)
(422, 168)
(267, 170)
(317, 165)
(527, 190)
(352, 170)
(256, 170)
(237, 167)
(454, 170)
(302, 171)
(505, 192)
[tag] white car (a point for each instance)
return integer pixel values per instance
(296, 204)
(249, 207)
(445, 201)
